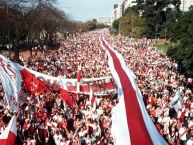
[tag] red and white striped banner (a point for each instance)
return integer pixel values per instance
(101, 86)
(14, 77)
(131, 124)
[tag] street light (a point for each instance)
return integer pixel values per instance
(132, 23)
(8, 37)
(156, 33)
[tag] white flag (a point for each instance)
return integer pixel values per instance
(11, 81)
(177, 102)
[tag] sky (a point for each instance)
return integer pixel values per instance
(83, 10)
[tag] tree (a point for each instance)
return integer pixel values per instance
(92, 25)
(32, 20)
(39, 25)
(132, 25)
(183, 31)
(88, 26)
(116, 24)
(158, 16)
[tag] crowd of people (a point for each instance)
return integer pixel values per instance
(160, 80)
(46, 119)
(84, 50)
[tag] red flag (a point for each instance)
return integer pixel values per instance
(8, 136)
(79, 73)
(66, 97)
(75, 97)
(78, 78)
(92, 99)
(32, 84)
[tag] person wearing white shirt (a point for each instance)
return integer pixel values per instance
(182, 134)
(190, 141)
(190, 123)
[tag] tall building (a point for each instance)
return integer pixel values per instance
(129, 3)
(185, 4)
(117, 12)
(119, 9)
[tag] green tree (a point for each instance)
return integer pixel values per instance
(116, 24)
(132, 25)
(183, 31)
(92, 25)
(159, 16)
(89, 25)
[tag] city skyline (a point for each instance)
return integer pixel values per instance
(84, 10)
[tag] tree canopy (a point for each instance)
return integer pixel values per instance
(132, 25)
(92, 25)
(183, 31)
(162, 19)
(31, 22)
(152, 19)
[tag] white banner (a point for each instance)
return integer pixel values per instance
(11, 81)
(101, 86)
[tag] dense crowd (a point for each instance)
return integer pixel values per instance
(46, 119)
(84, 50)
(159, 80)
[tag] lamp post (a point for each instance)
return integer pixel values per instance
(132, 23)
(8, 36)
(156, 33)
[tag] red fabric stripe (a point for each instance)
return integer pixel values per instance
(33, 83)
(66, 97)
(92, 100)
(10, 140)
(137, 128)
(79, 76)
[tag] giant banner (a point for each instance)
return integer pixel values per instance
(12, 81)
(101, 86)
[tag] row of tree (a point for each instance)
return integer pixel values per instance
(183, 53)
(164, 20)
(31, 22)
(92, 25)
(151, 20)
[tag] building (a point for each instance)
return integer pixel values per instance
(119, 9)
(129, 3)
(117, 12)
(104, 20)
(185, 4)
